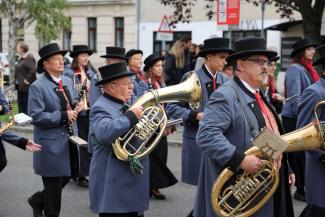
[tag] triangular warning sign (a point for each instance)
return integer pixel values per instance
(164, 25)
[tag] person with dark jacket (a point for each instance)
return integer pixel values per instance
(25, 75)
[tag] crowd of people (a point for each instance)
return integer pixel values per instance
(239, 98)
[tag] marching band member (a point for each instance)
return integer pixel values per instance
(135, 64)
(81, 74)
(298, 77)
(215, 50)
(114, 190)
(315, 161)
(160, 175)
(12, 138)
(50, 105)
(234, 113)
(113, 55)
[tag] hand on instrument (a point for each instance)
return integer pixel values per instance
(31, 146)
(199, 116)
(278, 162)
(278, 97)
(72, 116)
(168, 131)
(251, 164)
(137, 111)
(81, 107)
(292, 180)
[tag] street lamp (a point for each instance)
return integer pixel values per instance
(263, 10)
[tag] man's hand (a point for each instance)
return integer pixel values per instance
(31, 146)
(278, 97)
(199, 116)
(72, 116)
(169, 130)
(251, 164)
(137, 111)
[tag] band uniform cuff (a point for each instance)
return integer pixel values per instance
(132, 117)
(22, 142)
(64, 118)
(235, 161)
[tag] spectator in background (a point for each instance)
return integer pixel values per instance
(200, 60)
(187, 40)
(135, 64)
(193, 55)
(174, 64)
(25, 75)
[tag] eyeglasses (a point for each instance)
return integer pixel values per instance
(260, 62)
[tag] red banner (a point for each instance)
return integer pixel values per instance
(228, 12)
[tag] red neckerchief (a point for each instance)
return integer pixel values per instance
(309, 66)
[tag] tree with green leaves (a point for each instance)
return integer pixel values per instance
(47, 15)
(311, 12)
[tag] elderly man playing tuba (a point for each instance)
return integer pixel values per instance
(114, 189)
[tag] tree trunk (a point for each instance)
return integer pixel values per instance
(311, 23)
(12, 48)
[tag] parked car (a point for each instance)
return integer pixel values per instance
(5, 64)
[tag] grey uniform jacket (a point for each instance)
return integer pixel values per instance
(191, 154)
(47, 107)
(113, 188)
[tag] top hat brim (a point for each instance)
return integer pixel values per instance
(111, 78)
(153, 61)
(131, 53)
(241, 54)
(274, 59)
(205, 52)
(40, 61)
(73, 54)
(113, 56)
(297, 50)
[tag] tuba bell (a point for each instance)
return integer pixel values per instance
(242, 195)
(139, 141)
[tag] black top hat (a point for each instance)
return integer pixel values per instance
(302, 44)
(215, 45)
(115, 52)
(274, 59)
(250, 46)
(321, 55)
(47, 51)
(79, 49)
(112, 72)
(131, 52)
(151, 60)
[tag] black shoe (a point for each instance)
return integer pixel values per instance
(83, 182)
(299, 196)
(157, 195)
(37, 211)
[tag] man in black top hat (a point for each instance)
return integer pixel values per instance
(51, 104)
(112, 196)
(234, 115)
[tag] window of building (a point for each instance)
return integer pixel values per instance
(157, 45)
(286, 49)
(92, 33)
(236, 35)
(119, 31)
(66, 38)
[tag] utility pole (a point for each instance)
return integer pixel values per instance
(263, 12)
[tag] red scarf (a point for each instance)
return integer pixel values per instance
(309, 66)
(138, 72)
(271, 86)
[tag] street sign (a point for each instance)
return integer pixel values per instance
(228, 12)
(164, 25)
(164, 36)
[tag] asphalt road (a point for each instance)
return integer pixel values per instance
(18, 182)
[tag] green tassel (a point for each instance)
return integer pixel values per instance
(135, 165)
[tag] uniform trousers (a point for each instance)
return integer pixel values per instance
(130, 214)
(50, 198)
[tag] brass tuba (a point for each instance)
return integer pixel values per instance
(134, 144)
(246, 194)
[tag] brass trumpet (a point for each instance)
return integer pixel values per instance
(249, 192)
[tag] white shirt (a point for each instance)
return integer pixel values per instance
(213, 75)
(250, 88)
(56, 79)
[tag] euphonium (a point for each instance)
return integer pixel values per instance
(134, 144)
(246, 194)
